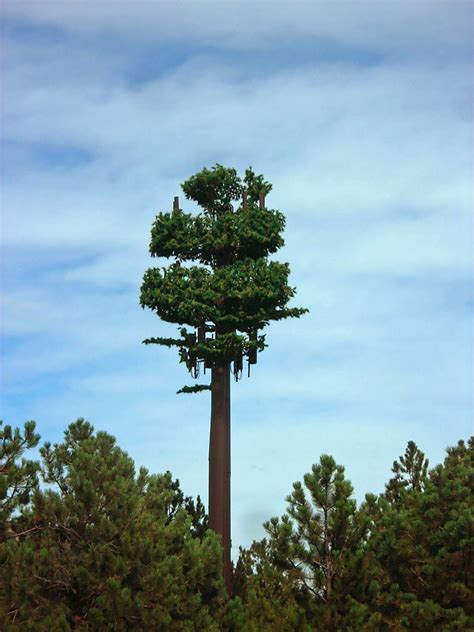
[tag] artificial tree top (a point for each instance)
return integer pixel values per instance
(234, 291)
(220, 234)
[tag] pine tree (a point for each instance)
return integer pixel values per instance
(422, 546)
(317, 542)
(271, 597)
(17, 478)
(100, 547)
(227, 297)
(103, 548)
(410, 472)
(398, 563)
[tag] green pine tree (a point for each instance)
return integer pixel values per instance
(410, 472)
(313, 554)
(103, 548)
(403, 561)
(271, 597)
(422, 545)
(18, 478)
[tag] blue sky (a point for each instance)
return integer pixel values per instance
(359, 113)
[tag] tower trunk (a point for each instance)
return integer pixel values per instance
(219, 464)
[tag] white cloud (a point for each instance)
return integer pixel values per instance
(338, 140)
(372, 166)
(412, 27)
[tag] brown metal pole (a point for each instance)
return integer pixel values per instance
(219, 464)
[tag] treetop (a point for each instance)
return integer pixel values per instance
(228, 287)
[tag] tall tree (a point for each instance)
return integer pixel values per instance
(227, 297)
(310, 573)
(318, 539)
(402, 562)
(102, 547)
(424, 548)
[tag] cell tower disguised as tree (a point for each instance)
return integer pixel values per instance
(222, 303)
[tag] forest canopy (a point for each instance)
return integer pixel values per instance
(89, 543)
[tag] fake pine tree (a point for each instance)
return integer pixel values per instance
(223, 291)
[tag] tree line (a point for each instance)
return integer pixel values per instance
(87, 542)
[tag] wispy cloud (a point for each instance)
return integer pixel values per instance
(419, 27)
(360, 115)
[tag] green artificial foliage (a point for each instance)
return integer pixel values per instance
(221, 281)
(197, 388)
(222, 290)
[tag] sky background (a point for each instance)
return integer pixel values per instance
(359, 113)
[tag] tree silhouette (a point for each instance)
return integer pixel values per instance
(227, 298)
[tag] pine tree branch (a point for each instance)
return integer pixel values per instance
(70, 530)
(56, 583)
(23, 533)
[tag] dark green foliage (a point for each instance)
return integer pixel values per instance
(244, 296)
(424, 546)
(410, 472)
(240, 233)
(197, 388)
(100, 547)
(214, 189)
(402, 561)
(105, 549)
(272, 598)
(317, 544)
(17, 478)
(234, 291)
(318, 534)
